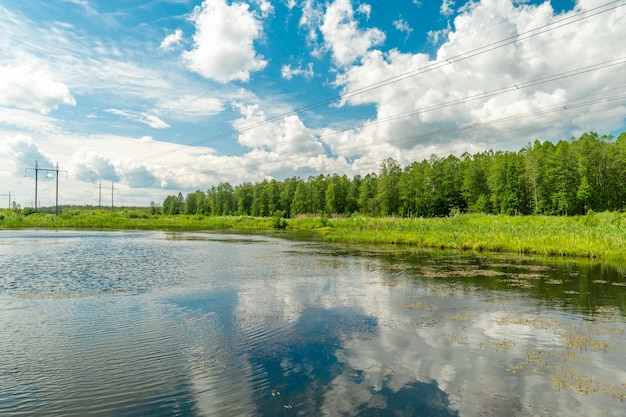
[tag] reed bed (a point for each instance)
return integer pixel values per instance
(595, 235)
(601, 235)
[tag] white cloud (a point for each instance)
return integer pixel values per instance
(90, 166)
(22, 152)
(28, 120)
(188, 106)
(286, 136)
(364, 9)
(288, 73)
(342, 35)
(412, 114)
(148, 119)
(24, 87)
(172, 40)
(436, 37)
(265, 7)
(403, 26)
(224, 51)
(447, 7)
(84, 4)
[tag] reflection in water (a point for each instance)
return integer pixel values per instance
(148, 324)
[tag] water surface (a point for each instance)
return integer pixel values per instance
(191, 324)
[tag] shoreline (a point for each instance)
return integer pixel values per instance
(593, 236)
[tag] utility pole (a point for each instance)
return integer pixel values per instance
(9, 195)
(111, 196)
(99, 194)
(37, 169)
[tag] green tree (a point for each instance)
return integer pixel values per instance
(563, 175)
(301, 201)
(473, 170)
(244, 195)
(388, 187)
(367, 195)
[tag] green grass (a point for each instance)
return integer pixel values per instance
(596, 235)
(601, 235)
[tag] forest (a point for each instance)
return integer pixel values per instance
(571, 177)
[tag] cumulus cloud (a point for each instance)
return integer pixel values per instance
(22, 152)
(286, 136)
(25, 87)
(90, 166)
(288, 73)
(146, 118)
(224, 51)
(342, 35)
(171, 40)
(436, 111)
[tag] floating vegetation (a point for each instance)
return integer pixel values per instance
(458, 339)
(506, 344)
(600, 281)
(570, 379)
(427, 272)
(533, 358)
(421, 306)
(462, 316)
(442, 290)
(536, 322)
(536, 268)
(554, 281)
(578, 339)
(389, 371)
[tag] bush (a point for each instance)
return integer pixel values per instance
(278, 220)
(28, 211)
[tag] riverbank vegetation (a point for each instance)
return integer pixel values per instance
(594, 235)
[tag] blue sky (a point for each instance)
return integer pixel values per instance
(164, 96)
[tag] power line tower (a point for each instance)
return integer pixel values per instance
(9, 195)
(37, 169)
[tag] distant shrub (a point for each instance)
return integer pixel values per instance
(71, 213)
(29, 210)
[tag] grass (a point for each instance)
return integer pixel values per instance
(601, 235)
(595, 235)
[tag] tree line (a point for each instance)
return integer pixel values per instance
(570, 177)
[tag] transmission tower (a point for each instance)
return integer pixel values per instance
(37, 169)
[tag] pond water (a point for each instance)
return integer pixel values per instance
(193, 324)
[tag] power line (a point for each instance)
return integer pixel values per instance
(440, 132)
(409, 74)
(37, 169)
(489, 94)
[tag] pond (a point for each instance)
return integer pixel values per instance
(198, 324)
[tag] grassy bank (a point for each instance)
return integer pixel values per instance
(596, 235)
(601, 235)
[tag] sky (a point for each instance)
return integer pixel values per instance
(137, 100)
